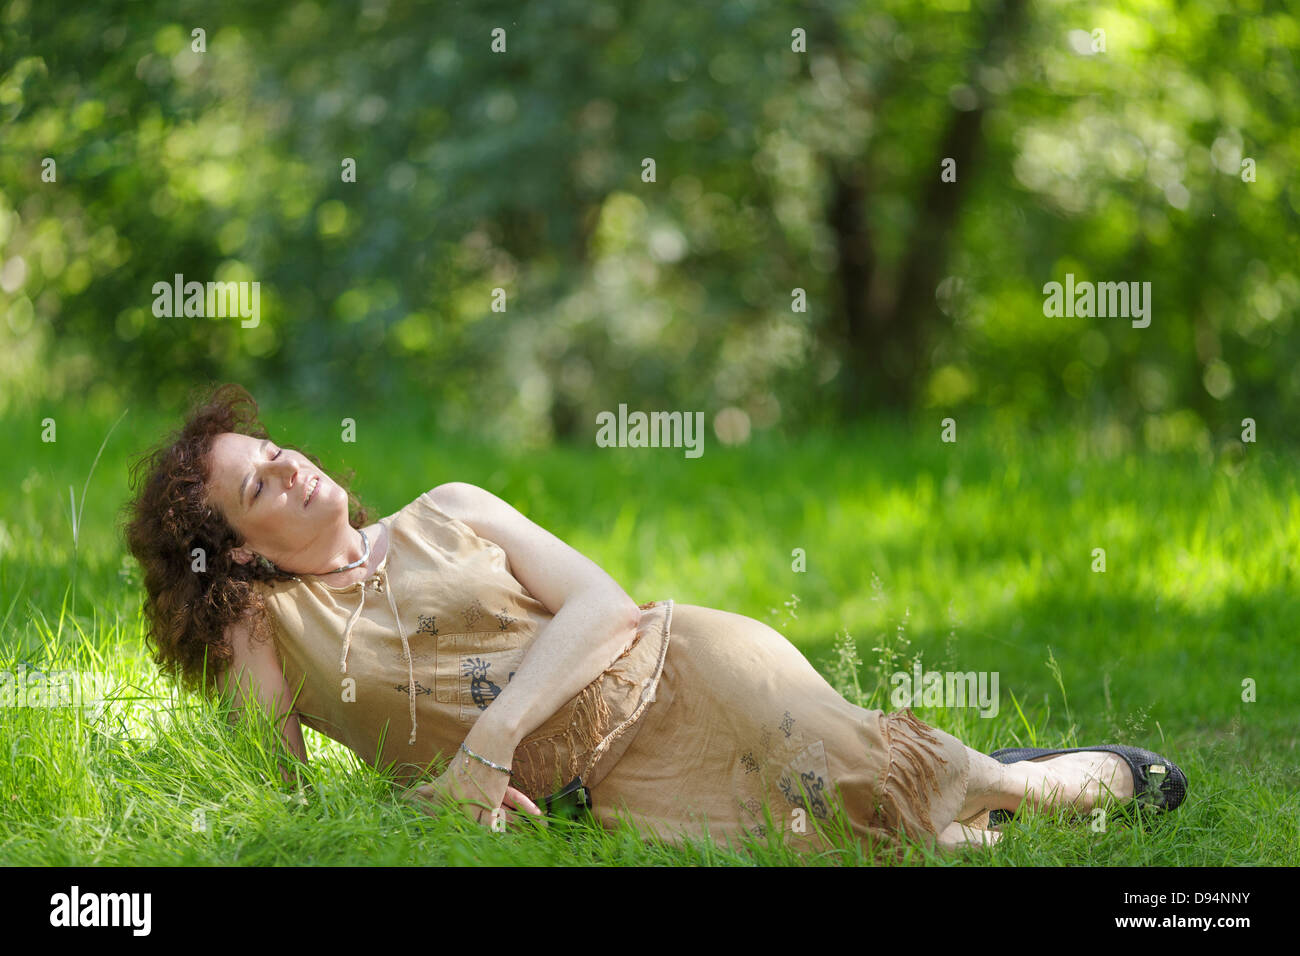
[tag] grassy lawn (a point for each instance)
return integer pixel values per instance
(974, 556)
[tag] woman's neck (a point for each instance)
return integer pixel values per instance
(378, 536)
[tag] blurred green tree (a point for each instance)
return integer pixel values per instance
(1133, 142)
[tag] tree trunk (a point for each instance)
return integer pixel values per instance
(888, 337)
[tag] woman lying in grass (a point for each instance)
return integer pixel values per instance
(494, 644)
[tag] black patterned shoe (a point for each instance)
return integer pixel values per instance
(1157, 783)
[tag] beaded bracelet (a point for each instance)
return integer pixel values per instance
(487, 763)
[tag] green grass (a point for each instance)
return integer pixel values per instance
(973, 556)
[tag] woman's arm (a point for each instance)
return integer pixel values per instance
(254, 671)
(594, 620)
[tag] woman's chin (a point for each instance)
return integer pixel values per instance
(333, 501)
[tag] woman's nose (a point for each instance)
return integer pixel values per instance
(287, 469)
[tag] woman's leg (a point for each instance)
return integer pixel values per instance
(1080, 780)
(744, 731)
(742, 722)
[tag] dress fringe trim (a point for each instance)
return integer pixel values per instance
(572, 751)
(914, 757)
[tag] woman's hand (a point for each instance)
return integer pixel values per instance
(480, 792)
(519, 802)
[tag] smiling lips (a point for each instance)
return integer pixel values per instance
(312, 484)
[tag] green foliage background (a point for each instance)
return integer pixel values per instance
(522, 171)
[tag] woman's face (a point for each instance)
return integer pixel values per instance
(283, 506)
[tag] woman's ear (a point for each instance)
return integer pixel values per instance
(241, 555)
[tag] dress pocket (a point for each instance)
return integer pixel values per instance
(474, 667)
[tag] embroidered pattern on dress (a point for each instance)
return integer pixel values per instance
(428, 624)
(481, 689)
(787, 723)
(748, 762)
(419, 688)
(504, 620)
(473, 614)
(418, 656)
(805, 776)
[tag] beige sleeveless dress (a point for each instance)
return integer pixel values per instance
(709, 724)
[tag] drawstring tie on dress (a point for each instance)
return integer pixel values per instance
(381, 579)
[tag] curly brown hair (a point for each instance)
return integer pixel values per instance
(187, 612)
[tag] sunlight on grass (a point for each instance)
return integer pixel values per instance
(976, 557)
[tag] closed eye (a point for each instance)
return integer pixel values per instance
(260, 482)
